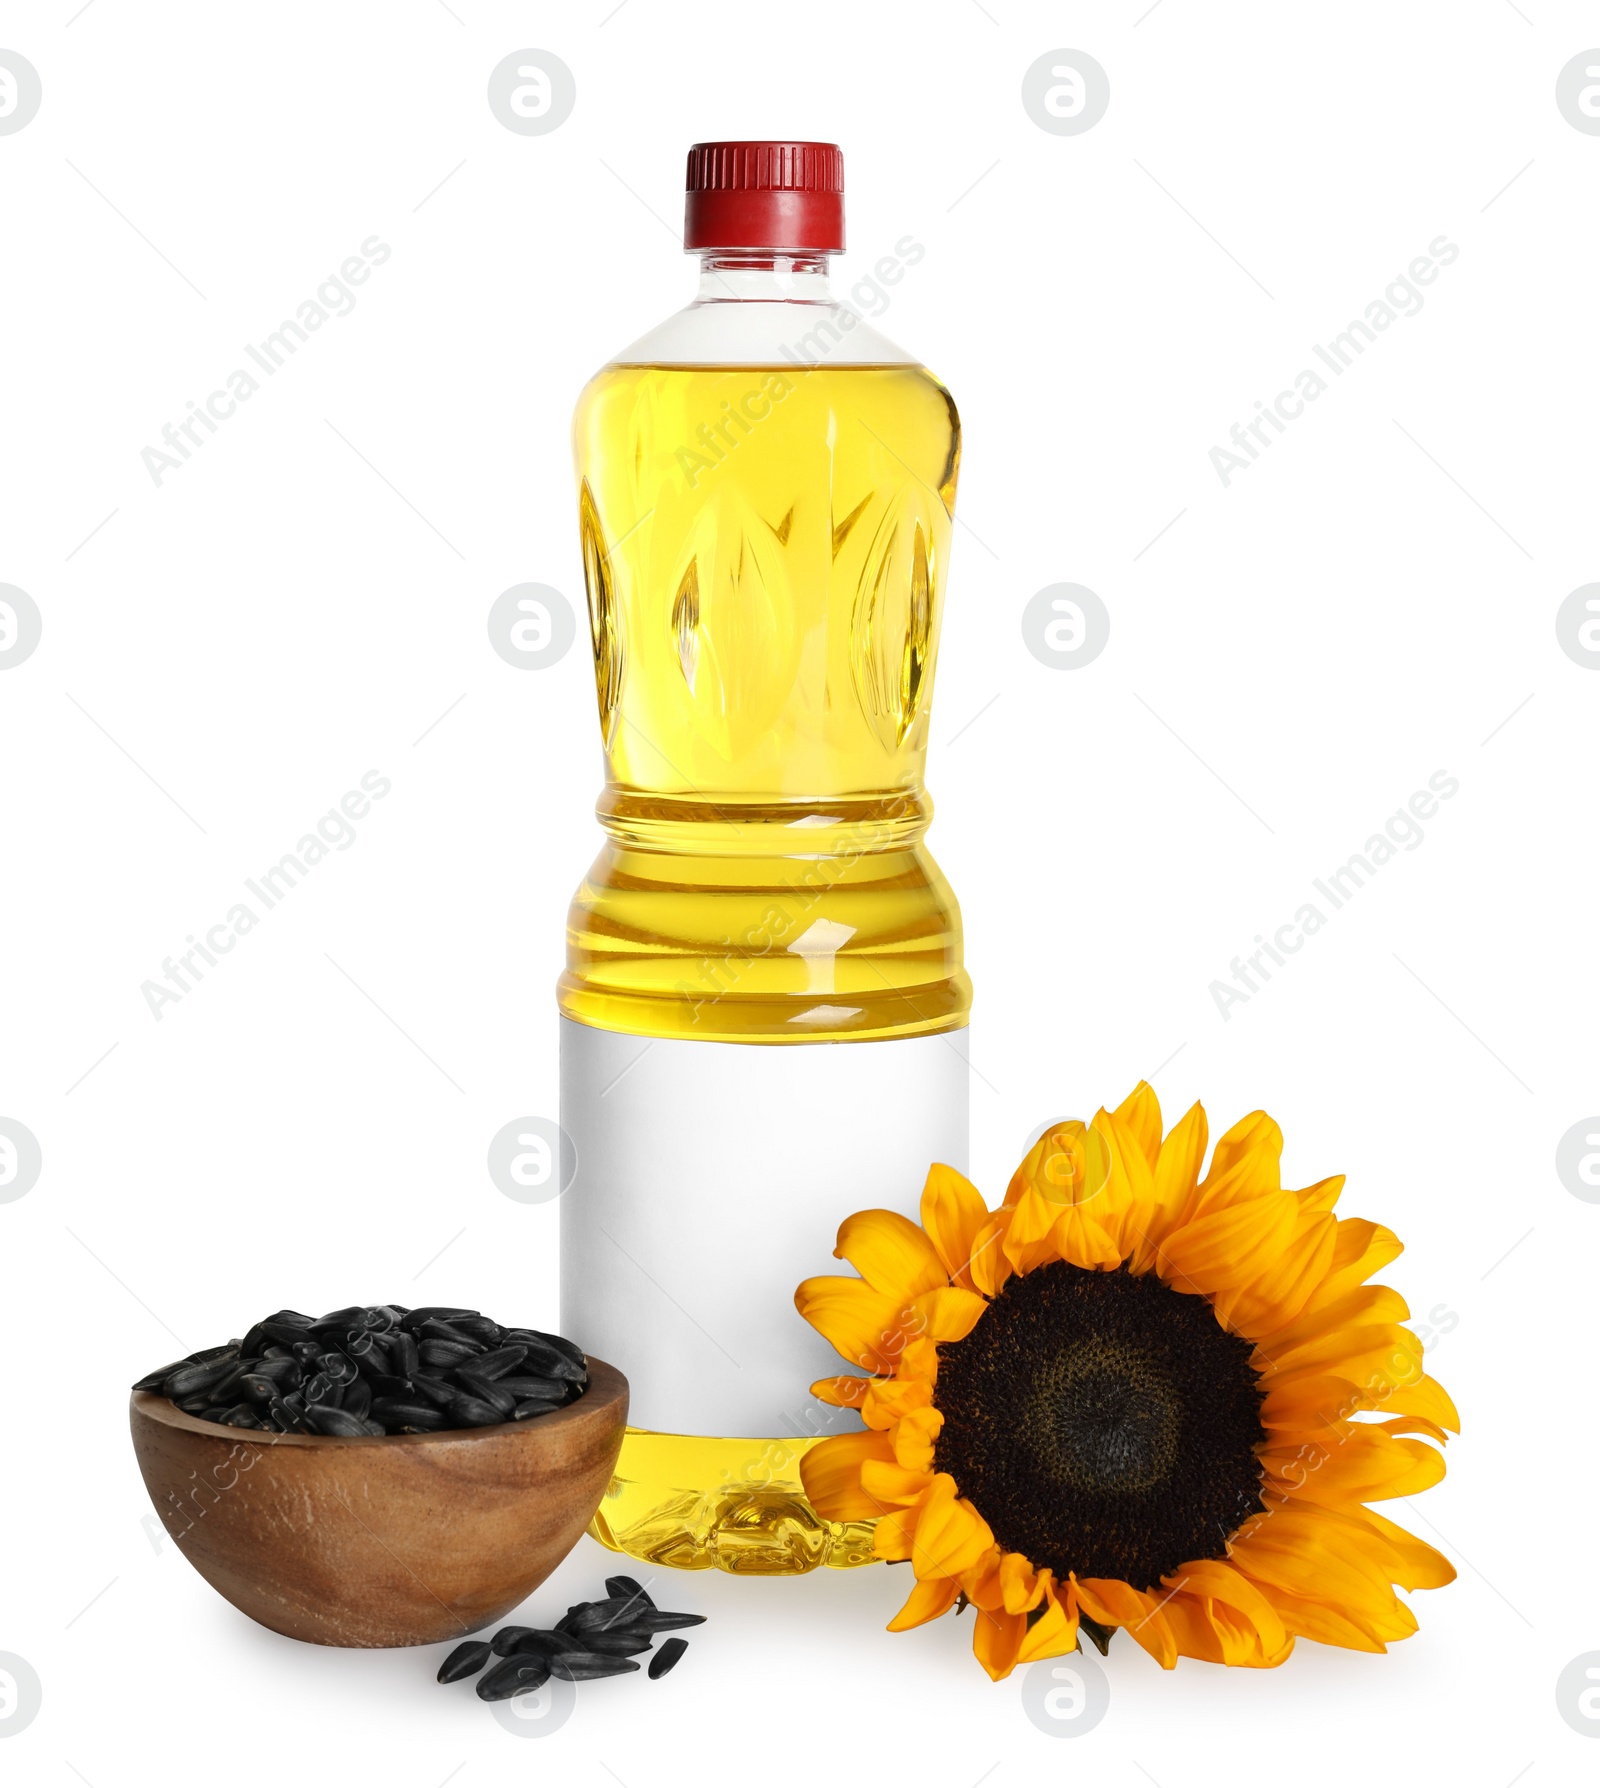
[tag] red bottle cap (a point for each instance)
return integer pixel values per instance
(780, 196)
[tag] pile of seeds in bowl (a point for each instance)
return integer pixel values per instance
(376, 1369)
(591, 1639)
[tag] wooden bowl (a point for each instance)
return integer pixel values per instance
(403, 1539)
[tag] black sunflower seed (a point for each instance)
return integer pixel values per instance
(323, 1418)
(434, 1390)
(589, 1666)
(190, 1381)
(285, 1333)
(499, 1362)
(153, 1381)
(349, 1317)
(522, 1387)
(657, 1620)
(542, 1641)
(627, 1611)
(511, 1676)
(466, 1660)
(470, 1413)
(534, 1406)
(616, 1642)
(629, 1587)
(505, 1641)
(485, 1392)
(372, 1369)
(482, 1329)
(294, 1319)
(671, 1650)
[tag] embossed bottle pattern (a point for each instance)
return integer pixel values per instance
(765, 549)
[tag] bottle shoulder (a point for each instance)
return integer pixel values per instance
(757, 332)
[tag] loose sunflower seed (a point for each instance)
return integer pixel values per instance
(466, 1660)
(589, 1666)
(511, 1676)
(671, 1650)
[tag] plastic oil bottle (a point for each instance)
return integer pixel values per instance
(764, 1004)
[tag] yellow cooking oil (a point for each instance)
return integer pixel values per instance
(765, 551)
(692, 1502)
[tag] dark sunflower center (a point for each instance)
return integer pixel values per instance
(1102, 1423)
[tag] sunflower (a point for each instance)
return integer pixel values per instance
(1133, 1397)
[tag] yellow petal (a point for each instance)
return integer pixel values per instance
(1414, 1425)
(864, 1325)
(890, 1253)
(1069, 1168)
(990, 1268)
(1230, 1245)
(914, 1438)
(1410, 1562)
(1115, 1603)
(895, 1535)
(1426, 1397)
(1307, 1551)
(1356, 1462)
(1021, 1586)
(1360, 1250)
(1027, 1241)
(1365, 1305)
(1355, 1630)
(1173, 1190)
(1054, 1633)
(831, 1475)
(951, 1535)
(927, 1601)
(1125, 1211)
(1374, 1354)
(842, 1393)
(996, 1639)
(1139, 1119)
(919, 1361)
(949, 1314)
(890, 1399)
(1217, 1580)
(1323, 1196)
(1277, 1295)
(1194, 1631)
(1244, 1164)
(891, 1484)
(1308, 1402)
(953, 1212)
(1081, 1239)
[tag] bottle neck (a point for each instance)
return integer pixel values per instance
(729, 275)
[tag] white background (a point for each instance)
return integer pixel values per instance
(1288, 661)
